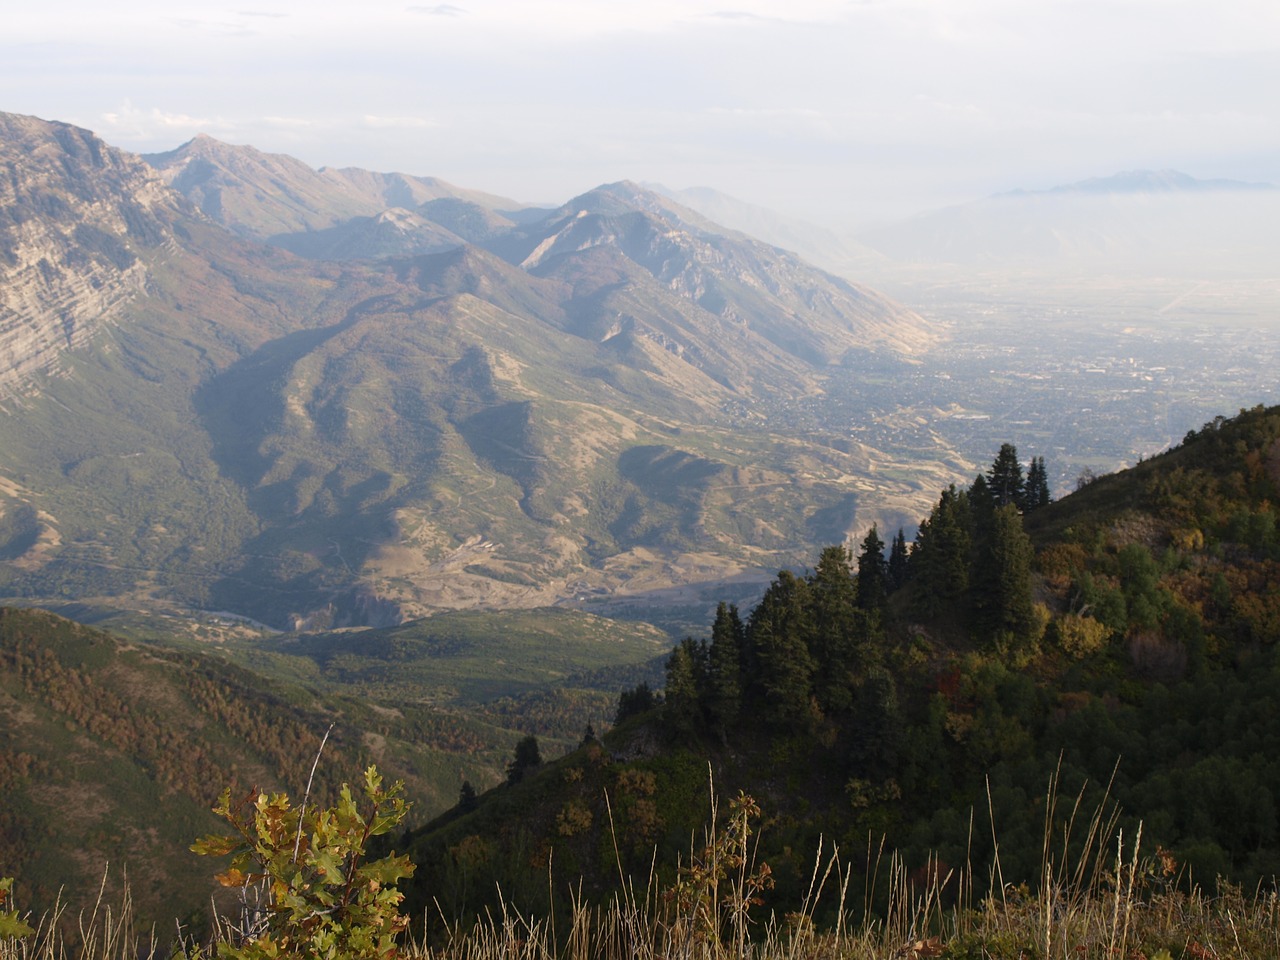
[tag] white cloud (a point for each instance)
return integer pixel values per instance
(128, 121)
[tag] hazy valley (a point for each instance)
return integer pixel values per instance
(611, 402)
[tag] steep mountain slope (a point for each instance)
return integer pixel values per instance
(257, 194)
(318, 443)
(354, 214)
(464, 443)
(110, 486)
(393, 232)
(753, 288)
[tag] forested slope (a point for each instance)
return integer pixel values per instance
(1118, 646)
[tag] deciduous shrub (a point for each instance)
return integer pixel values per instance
(11, 925)
(321, 899)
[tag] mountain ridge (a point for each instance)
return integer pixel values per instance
(314, 443)
(69, 256)
(262, 195)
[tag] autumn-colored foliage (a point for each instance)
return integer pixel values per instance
(320, 895)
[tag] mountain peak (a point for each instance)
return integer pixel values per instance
(611, 199)
(203, 146)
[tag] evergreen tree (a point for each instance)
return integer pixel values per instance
(981, 500)
(780, 683)
(982, 521)
(1037, 494)
(527, 757)
(467, 797)
(724, 670)
(682, 712)
(878, 729)
(838, 629)
(1003, 602)
(873, 573)
(939, 562)
(639, 699)
(1005, 477)
(898, 561)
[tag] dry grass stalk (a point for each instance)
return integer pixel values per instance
(1080, 909)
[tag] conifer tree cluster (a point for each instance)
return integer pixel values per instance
(807, 662)
(1005, 483)
(970, 565)
(810, 658)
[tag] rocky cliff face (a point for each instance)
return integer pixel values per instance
(76, 217)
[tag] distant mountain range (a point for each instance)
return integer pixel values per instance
(298, 400)
(1142, 221)
(829, 249)
(1147, 181)
(511, 407)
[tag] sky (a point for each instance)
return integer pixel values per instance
(842, 112)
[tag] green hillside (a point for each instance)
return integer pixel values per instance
(113, 752)
(1099, 671)
(469, 658)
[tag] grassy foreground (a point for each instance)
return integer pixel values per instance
(1110, 899)
(1165, 926)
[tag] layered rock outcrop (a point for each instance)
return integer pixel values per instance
(76, 220)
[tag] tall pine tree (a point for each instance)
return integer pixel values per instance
(682, 710)
(939, 562)
(1005, 477)
(1003, 603)
(724, 670)
(837, 629)
(1037, 494)
(898, 561)
(781, 686)
(873, 573)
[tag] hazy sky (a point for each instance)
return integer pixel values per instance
(841, 112)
